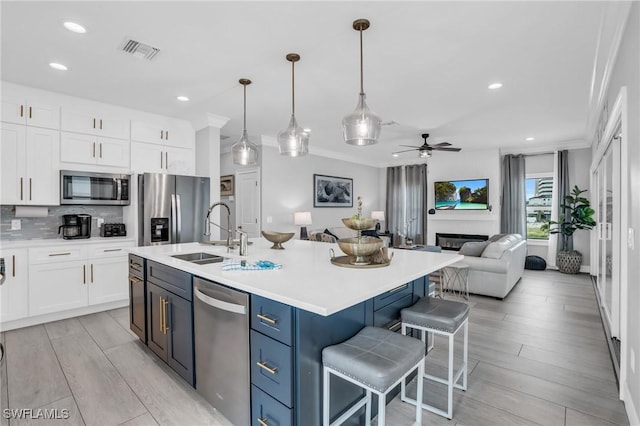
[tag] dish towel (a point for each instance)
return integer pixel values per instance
(237, 265)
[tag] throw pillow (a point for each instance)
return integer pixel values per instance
(370, 233)
(473, 248)
(326, 231)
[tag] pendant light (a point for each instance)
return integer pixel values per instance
(362, 126)
(244, 152)
(293, 141)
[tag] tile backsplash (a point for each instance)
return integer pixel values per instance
(47, 227)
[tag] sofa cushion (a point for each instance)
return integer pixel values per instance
(496, 237)
(473, 248)
(495, 249)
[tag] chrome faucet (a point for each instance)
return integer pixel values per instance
(207, 222)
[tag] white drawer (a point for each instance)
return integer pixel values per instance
(110, 250)
(57, 254)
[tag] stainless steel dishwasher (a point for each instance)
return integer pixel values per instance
(221, 326)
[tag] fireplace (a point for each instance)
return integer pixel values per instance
(455, 241)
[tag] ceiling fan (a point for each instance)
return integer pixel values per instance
(425, 150)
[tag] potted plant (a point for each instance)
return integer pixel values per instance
(577, 215)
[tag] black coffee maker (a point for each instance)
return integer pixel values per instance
(75, 226)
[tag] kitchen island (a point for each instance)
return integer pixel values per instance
(295, 312)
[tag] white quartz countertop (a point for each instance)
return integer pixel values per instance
(307, 280)
(62, 242)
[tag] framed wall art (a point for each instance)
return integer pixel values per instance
(332, 191)
(227, 185)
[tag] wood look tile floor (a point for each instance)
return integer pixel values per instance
(538, 357)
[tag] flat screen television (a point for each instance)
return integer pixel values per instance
(471, 194)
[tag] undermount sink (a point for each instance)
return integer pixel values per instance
(199, 258)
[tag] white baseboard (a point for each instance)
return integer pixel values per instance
(584, 269)
(56, 316)
(634, 420)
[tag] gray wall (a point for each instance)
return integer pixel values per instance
(47, 227)
(287, 187)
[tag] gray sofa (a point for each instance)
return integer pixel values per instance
(495, 266)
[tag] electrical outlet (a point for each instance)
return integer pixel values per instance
(631, 239)
(269, 219)
(632, 361)
(100, 221)
(16, 224)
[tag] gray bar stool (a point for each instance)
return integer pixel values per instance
(377, 360)
(445, 317)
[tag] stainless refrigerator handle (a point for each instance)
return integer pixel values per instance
(178, 218)
(225, 306)
(173, 219)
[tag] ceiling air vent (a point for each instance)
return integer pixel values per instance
(139, 50)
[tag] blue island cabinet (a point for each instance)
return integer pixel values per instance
(286, 354)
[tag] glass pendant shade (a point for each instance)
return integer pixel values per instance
(293, 141)
(244, 152)
(362, 126)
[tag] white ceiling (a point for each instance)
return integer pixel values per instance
(427, 65)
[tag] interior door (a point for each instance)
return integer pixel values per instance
(248, 201)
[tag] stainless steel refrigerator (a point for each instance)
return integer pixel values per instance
(171, 208)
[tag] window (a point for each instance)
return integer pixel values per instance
(539, 195)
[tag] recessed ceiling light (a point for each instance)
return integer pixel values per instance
(395, 154)
(58, 66)
(183, 98)
(307, 130)
(494, 86)
(530, 138)
(76, 28)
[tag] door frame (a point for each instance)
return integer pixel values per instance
(247, 171)
(618, 118)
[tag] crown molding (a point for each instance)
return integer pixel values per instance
(209, 120)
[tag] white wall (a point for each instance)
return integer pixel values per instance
(208, 164)
(287, 187)
(465, 165)
(626, 72)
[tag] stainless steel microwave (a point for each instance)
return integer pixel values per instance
(105, 189)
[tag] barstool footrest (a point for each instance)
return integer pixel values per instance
(456, 377)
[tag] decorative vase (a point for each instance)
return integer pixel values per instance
(569, 261)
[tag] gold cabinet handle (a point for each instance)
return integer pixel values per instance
(14, 265)
(135, 279)
(21, 189)
(84, 274)
(30, 190)
(29, 112)
(101, 124)
(21, 110)
(161, 314)
(101, 145)
(108, 250)
(135, 266)
(59, 254)
(166, 159)
(400, 287)
(94, 123)
(94, 150)
(262, 421)
(164, 308)
(166, 135)
(266, 367)
(92, 272)
(394, 325)
(267, 319)
(161, 134)
(160, 159)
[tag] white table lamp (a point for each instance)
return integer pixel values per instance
(302, 219)
(378, 215)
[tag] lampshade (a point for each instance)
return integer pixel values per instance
(362, 126)
(293, 141)
(378, 215)
(244, 152)
(302, 218)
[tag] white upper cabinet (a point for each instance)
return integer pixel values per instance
(30, 111)
(82, 149)
(29, 157)
(167, 131)
(152, 158)
(95, 121)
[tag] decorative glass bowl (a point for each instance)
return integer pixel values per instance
(277, 238)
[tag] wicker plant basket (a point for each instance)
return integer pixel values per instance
(569, 261)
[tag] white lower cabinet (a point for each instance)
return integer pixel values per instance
(63, 277)
(14, 291)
